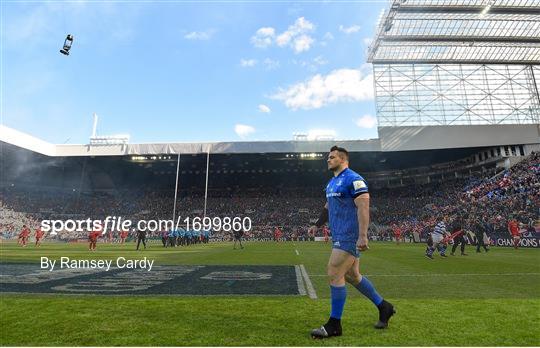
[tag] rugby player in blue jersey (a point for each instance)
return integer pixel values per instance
(347, 212)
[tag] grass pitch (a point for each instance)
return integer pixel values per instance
(477, 300)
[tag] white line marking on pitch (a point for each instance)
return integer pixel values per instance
(301, 287)
(310, 290)
(440, 275)
(296, 251)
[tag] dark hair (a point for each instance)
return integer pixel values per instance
(340, 150)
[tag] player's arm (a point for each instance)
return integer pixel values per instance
(362, 205)
(323, 218)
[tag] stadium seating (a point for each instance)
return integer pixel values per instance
(515, 191)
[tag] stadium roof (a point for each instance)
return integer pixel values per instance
(390, 139)
(17, 138)
(458, 31)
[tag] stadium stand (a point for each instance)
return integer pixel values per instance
(495, 197)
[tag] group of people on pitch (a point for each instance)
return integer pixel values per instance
(440, 238)
(461, 224)
(24, 236)
(175, 238)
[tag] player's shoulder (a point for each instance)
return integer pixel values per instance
(353, 176)
(356, 180)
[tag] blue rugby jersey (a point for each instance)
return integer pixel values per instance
(440, 228)
(342, 212)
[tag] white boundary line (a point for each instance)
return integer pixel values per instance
(301, 287)
(441, 275)
(296, 251)
(311, 291)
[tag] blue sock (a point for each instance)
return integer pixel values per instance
(338, 295)
(441, 249)
(367, 289)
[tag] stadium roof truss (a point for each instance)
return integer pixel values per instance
(457, 62)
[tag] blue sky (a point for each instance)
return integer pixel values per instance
(188, 71)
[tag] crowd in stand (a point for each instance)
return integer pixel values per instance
(512, 193)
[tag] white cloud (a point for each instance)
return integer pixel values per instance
(248, 63)
(264, 108)
(243, 130)
(366, 121)
(343, 85)
(263, 37)
(303, 43)
(367, 41)
(296, 36)
(199, 35)
(302, 25)
(349, 30)
(284, 38)
(271, 64)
